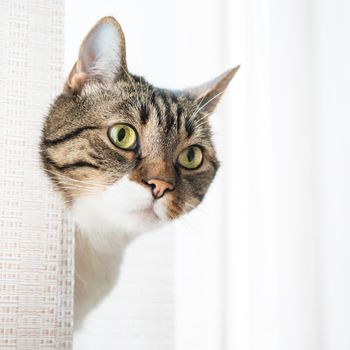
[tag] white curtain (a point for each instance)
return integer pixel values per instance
(36, 245)
(275, 273)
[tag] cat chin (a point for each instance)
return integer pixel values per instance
(117, 215)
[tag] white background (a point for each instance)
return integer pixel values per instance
(264, 262)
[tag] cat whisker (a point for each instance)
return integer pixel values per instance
(75, 180)
(198, 126)
(203, 118)
(191, 118)
(199, 105)
(81, 189)
(181, 219)
(79, 186)
(205, 104)
(93, 189)
(195, 206)
(217, 95)
(181, 210)
(186, 222)
(191, 207)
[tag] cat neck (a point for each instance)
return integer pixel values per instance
(97, 264)
(104, 242)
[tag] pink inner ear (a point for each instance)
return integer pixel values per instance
(100, 51)
(87, 59)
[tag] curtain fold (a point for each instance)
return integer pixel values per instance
(36, 240)
(278, 259)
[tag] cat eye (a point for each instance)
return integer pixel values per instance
(123, 136)
(191, 157)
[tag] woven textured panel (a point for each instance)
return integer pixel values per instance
(36, 241)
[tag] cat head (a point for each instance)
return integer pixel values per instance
(124, 154)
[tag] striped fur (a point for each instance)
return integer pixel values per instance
(75, 142)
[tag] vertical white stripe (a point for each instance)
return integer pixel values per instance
(331, 34)
(200, 237)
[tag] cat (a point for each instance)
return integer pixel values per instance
(126, 156)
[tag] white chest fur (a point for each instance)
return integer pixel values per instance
(106, 222)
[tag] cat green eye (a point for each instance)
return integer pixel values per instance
(123, 136)
(191, 157)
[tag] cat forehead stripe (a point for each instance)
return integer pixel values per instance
(69, 136)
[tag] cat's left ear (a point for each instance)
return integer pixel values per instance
(208, 95)
(101, 56)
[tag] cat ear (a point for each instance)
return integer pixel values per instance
(101, 56)
(209, 94)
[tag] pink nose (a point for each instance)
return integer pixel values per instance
(159, 187)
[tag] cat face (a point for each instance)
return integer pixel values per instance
(124, 154)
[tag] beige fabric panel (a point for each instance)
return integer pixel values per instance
(36, 241)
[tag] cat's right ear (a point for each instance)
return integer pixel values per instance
(101, 56)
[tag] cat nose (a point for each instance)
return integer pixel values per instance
(159, 187)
